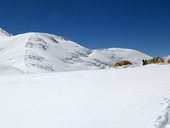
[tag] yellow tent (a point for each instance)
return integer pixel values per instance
(153, 61)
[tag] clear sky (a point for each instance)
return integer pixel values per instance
(143, 25)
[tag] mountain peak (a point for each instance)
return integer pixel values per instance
(4, 33)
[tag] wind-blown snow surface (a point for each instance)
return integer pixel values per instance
(40, 52)
(110, 98)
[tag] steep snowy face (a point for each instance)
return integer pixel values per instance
(38, 52)
(3, 33)
(45, 52)
(41, 52)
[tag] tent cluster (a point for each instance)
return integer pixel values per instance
(156, 60)
(153, 61)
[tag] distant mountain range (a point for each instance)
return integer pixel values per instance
(41, 52)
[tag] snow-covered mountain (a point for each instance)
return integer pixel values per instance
(109, 98)
(41, 52)
(4, 33)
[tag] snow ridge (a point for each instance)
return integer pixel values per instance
(4, 33)
(42, 52)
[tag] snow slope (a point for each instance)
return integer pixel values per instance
(35, 52)
(111, 98)
(40, 52)
(112, 55)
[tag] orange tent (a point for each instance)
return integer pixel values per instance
(122, 63)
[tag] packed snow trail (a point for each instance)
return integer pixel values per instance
(112, 98)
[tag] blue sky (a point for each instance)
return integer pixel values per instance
(143, 25)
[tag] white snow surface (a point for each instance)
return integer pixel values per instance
(137, 97)
(41, 52)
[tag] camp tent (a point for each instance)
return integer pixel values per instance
(153, 61)
(122, 63)
(156, 60)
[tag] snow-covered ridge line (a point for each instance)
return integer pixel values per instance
(4, 33)
(42, 52)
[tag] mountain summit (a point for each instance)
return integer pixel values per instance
(4, 33)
